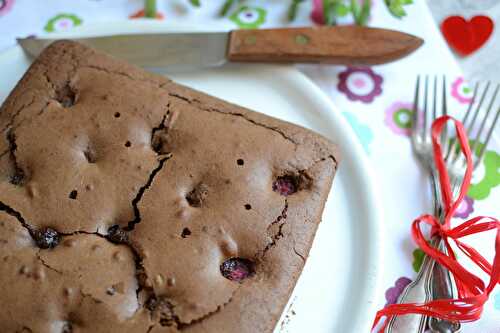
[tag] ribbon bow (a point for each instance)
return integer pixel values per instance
(472, 291)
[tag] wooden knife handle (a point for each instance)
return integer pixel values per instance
(346, 45)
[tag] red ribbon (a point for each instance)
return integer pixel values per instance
(472, 291)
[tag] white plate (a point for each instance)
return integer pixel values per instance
(337, 290)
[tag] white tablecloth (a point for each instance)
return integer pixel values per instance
(376, 102)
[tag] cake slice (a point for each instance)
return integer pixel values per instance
(130, 203)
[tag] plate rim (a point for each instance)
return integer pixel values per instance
(329, 111)
(368, 178)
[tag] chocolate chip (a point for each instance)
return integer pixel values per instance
(159, 136)
(46, 238)
(159, 141)
(66, 96)
(128, 144)
(67, 101)
(18, 177)
(248, 206)
(237, 269)
(196, 197)
(185, 232)
(117, 235)
(240, 161)
(90, 155)
(156, 143)
(151, 303)
(162, 308)
(73, 194)
(117, 114)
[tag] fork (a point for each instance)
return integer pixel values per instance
(434, 281)
(456, 165)
(419, 291)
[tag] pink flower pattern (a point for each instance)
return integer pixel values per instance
(392, 294)
(466, 208)
(360, 84)
(461, 91)
(5, 6)
(398, 117)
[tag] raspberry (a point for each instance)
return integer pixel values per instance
(237, 269)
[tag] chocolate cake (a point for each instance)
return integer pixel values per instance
(130, 203)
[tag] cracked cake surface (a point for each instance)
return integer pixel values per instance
(129, 203)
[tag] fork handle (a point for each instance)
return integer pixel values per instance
(416, 292)
(422, 288)
(442, 285)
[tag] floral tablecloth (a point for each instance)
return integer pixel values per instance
(376, 101)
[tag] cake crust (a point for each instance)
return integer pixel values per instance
(130, 203)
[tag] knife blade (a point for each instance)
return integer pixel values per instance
(341, 45)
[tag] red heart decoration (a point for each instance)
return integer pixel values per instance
(464, 36)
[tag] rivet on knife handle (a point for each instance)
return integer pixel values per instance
(343, 45)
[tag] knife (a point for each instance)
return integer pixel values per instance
(340, 45)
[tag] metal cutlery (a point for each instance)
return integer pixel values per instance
(455, 161)
(456, 164)
(434, 281)
(346, 45)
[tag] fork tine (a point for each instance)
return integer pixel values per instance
(478, 108)
(483, 123)
(414, 123)
(488, 137)
(470, 126)
(473, 100)
(426, 90)
(434, 100)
